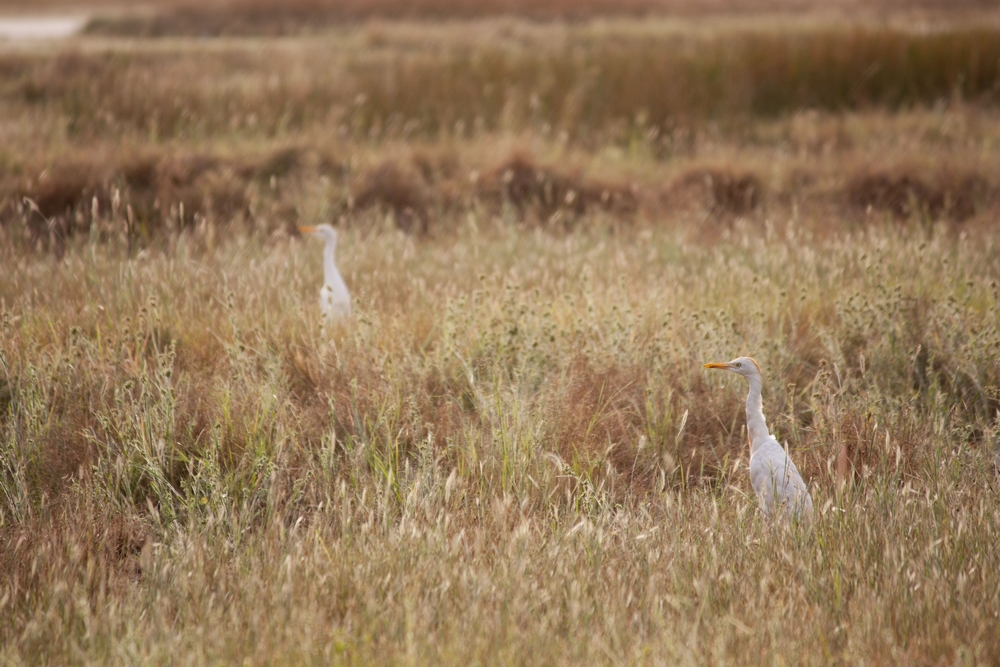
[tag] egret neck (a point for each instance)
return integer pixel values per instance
(330, 275)
(756, 424)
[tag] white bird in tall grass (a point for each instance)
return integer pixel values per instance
(775, 479)
(334, 299)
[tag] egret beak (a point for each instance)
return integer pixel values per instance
(307, 229)
(724, 367)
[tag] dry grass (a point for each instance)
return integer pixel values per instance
(952, 195)
(561, 8)
(593, 84)
(168, 189)
(510, 453)
(296, 17)
(513, 434)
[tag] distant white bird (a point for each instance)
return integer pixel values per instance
(334, 299)
(775, 479)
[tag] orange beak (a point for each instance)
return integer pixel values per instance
(724, 367)
(308, 229)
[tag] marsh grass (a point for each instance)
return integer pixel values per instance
(600, 83)
(296, 17)
(879, 174)
(510, 452)
(552, 124)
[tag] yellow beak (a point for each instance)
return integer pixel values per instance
(722, 366)
(307, 229)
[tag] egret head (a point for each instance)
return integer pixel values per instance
(325, 232)
(744, 366)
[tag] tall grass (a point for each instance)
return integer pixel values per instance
(552, 120)
(262, 17)
(509, 453)
(611, 84)
(593, 85)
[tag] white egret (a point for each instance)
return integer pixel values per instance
(775, 479)
(334, 299)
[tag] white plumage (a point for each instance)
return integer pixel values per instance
(334, 299)
(775, 479)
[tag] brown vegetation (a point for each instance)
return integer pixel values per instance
(174, 191)
(544, 191)
(510, 452)
(391, 185)
(158, 191)
(522, 410)
(723, 191)
(946, 195)
(265, 17)
(622, 86)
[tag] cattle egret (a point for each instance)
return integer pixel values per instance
(775, 479)
(334, 299)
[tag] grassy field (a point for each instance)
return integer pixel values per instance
(510, 453)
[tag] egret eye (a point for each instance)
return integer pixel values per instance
(738, 364)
